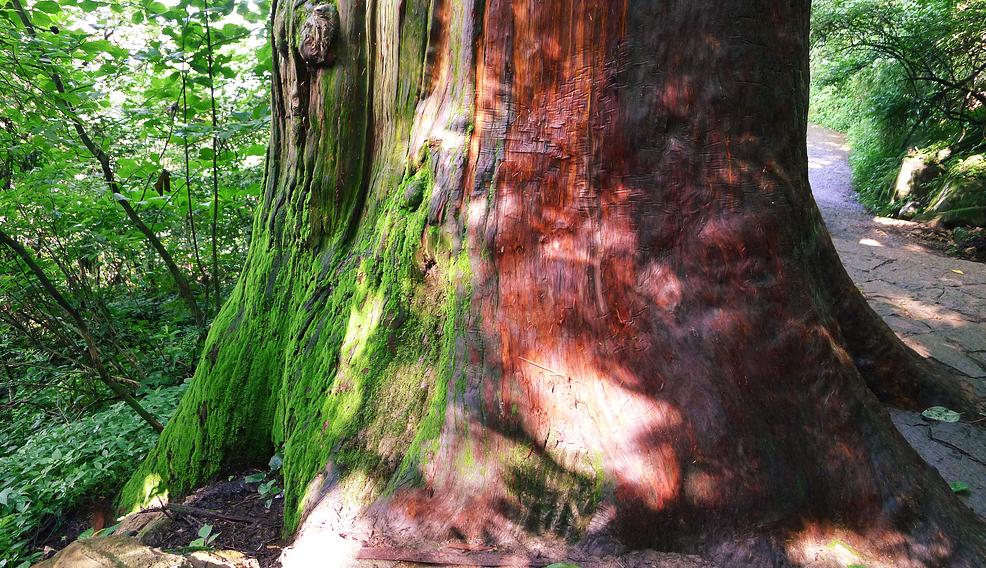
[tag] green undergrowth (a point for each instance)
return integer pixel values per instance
(868, 114)
(866, 108)
(899, 79)
(60, 467)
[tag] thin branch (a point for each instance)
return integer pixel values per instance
(81, 328)
(113, 185)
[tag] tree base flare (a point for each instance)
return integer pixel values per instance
(341, 534)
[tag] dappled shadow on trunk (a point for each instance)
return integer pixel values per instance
(609, 316)
(661, 309)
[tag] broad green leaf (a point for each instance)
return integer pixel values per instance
(126, 167)
(48, 6)
(155, 7)
(959, 487)
(97, 46)
(40, 20)
(941, 414)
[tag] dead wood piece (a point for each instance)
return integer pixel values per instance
(190, 510)
(452, 558)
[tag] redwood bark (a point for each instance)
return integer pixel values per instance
(655, 285)
(656, 346)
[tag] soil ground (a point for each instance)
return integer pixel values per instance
(250, 526)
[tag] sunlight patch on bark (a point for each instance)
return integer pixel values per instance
(577, 408)
(153, 495)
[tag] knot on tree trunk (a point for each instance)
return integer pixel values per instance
(318, 34)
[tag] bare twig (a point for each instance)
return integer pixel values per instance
(197, 511)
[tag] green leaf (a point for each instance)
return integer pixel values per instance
(97, 46)
(255, 150)
(941, 414)
(266, 487)
(48, 7)
(205, 531)
(108, 530)
(41, 20)
(126, 167)
(959, 487)
(155, 7)
(276, 461)
(255, 478)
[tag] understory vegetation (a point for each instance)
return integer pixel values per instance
(58, 467)
(906, 81)
(132, 144)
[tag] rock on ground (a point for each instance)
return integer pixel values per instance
(112, 552)
(120, 551)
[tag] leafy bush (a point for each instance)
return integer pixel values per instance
(899, 76)
(61, 466)
(132, 144)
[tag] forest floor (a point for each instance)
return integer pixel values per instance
(935, 303)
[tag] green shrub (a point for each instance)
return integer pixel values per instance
(61, 466)
(898, 76)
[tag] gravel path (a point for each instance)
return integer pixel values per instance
(936, 304)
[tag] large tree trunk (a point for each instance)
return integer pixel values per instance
(541, 270)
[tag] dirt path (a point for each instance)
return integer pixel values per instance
(936, 304)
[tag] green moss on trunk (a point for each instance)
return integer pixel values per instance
(337, 340)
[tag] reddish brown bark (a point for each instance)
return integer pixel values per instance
(654, 286)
